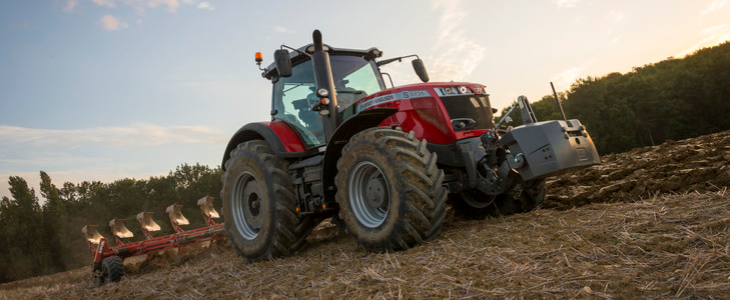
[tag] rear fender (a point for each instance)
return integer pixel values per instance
(283, 139)
(363, 120)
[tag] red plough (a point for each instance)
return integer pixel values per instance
(108, 260)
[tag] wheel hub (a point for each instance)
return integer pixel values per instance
(368, 194)
(247, 206)
(375, 192)
(253, 205)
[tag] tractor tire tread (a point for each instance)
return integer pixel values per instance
(289, 229)
(420, 182)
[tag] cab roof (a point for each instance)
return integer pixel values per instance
(297, 57)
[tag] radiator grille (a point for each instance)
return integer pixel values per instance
(469, 112)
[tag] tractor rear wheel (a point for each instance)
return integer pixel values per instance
(474, 205)
(259, 204)
(112, 269)
(389, 190)
(532, 195)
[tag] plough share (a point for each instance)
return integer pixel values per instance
(108, 260)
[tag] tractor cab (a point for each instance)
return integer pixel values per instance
(294, 101)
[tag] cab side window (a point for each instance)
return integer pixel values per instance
(293, 99)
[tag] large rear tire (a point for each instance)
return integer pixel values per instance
(259, 204)
(389, 190)
(472, 204)
(475, 205)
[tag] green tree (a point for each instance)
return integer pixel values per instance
(26, 246)
(54, 222)
(5, 219)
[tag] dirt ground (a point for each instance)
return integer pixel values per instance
(697, 164)
(652, 223)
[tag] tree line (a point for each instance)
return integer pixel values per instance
(670, 100)
(46, 238)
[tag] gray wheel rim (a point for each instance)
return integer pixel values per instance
(369, 194)
(247, 206)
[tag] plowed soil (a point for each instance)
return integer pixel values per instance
(652, 223)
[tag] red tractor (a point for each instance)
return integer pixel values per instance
(380, 161)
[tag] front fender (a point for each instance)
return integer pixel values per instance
(282, 138)
(359, 122)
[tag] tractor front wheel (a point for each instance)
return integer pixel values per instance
(259, 204)
(389, 190)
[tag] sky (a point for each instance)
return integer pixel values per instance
(110, 89)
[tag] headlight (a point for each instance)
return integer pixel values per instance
(323, 92)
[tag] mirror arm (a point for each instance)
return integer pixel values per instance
(391, 79)
(390, 60)
(297, 50)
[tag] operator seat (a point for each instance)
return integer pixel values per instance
(310, 119)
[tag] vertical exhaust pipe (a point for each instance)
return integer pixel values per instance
(325, 86)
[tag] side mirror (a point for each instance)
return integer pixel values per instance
(282, 62)
(420, 69)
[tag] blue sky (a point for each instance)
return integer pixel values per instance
(108, 89)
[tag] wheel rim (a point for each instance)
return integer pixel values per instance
(368, 191)
(473, 199)
(247, 206)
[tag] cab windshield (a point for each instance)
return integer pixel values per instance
(354, 78)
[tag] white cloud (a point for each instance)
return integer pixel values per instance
(615, 41)
(715, 5)
(102, 153)
(578, 20)
(283, 29)
(108, 3)
(206, 5)
(567, 77)
(105, 170)
(20, 25)
(564, 79)
(111, 23)
(138, 5)
(458, 54)
(137, 135)
(616, 16)
(172, 5)
(566, 3)
(711, 36)
(70, 5)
